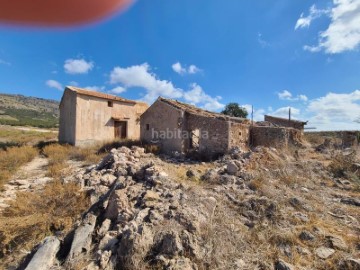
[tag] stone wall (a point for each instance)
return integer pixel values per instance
(67, 118)
(162, 117)
(239, 135)
(214, 133)
(275, 136)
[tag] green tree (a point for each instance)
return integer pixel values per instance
(233, 109)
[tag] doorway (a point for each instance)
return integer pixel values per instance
(120, 129)
(195, 139)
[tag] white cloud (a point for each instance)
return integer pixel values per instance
(95, 88)
(77, 66)
(54, 84)
(335, 111)
(258, 113)
(263, 43)
(196, 95)
(117, 90)
(343, 32)
(284, 112)
(73, 83)
(141, 76)
(3, 62)
(178, 68)
(193, 69)
(314, 13)
(286, 95)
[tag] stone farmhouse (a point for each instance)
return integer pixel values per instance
(88, 116)
(180, 127)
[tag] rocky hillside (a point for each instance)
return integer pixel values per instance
(28, 111)
(260, 209)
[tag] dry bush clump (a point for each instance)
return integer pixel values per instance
(35, 215)
(59, 154)
(12, 158)
(88, 155)
(342, 165)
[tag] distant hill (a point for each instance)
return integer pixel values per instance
(19, 110)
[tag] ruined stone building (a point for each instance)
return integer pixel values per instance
(284, 122)
(180, 127)
(89, 116)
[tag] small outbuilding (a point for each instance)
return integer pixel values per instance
(89, 116)
(284, 122)
(180, 127)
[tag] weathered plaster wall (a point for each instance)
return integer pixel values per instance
(67, 118)
(94, 119)
(162, 117)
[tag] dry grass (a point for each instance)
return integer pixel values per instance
(342, 165)
(12, 136)
(35, 215)
(59, 155)
(12, 158)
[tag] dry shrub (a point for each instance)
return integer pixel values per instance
(12, 159)
(57, 153)
(152, 148)
(58, 156)
(342, 165)
(32, 216)
(56, 170)
(89, 155)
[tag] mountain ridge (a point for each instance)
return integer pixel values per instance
(20, 110)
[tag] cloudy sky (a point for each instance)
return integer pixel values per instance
(269, 54)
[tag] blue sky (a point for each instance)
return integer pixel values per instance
(269, 54)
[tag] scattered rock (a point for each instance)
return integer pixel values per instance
(82, 238)
(281, 265)
(350, 201)
(350, 264)
(337, 242)
(324, 252)
(118, 203)
(232, 168)
(306, 236)
(151, 198)
(45, 256)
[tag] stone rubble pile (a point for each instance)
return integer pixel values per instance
(139, 217)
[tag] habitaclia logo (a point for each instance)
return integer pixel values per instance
(178, 134)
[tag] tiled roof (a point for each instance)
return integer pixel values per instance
(86, 92)
(285, 119)
(198, 111)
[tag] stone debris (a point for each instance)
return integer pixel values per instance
(141, 218)
(45, 255)
(324, 252)
(282, 265)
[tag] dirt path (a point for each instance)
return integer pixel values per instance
(29, 177)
